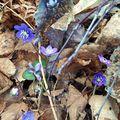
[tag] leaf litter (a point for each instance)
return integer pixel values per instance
(59, 28)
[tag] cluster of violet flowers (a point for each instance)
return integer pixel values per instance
(99, 79)
(26, 35)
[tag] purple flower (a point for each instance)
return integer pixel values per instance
(29, 115)
(35, 70)
(104, 60)
(48, 51)
(24, 33)
(99, 79)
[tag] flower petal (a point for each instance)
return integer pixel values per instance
(38, 76)
(37, 67)
(18, 34)
(17, 27)
(43, 50)
(24, 26)
(30, 66)
(55, 50)
(29, 115)
(49, 48)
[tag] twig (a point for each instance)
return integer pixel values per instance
(47, 89)
(68, 39)
(94, 89)
(76, 27)
(111, 6)
(79, 46)
(109, 92)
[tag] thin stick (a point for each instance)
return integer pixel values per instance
(47, 89)
(94, 89)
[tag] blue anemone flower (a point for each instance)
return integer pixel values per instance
(48, 51)
(99, 79)
(29, 115)
(24, 33)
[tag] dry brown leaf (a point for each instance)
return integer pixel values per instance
(107, 112)
(76, 104)
(84, 81)
(84, 5)
(94, 48)
(33, 87)
(26, 47)
(7, 43)
(21, 67)
(14, 111)
(63, 22)
(110, 35)
(54, 92)
(7, 67)
(2, 105)
(27, 56)
(66, 52)
(5, 83)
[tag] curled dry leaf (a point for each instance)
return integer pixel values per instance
(5, 83)
(14, 111)
(7, 67)
(7, 43)
(107, 112)
(76, 104)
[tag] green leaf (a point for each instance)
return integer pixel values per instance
(44, 64)
(28, 75)
(35, 63)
